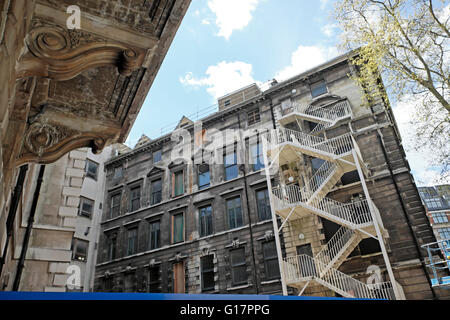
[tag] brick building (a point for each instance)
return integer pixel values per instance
(436, 200)
(175, 224)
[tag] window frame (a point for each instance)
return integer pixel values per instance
(201, 219)
(151, 281)
(119, 205)
(227, 207)
(173, 228)
(315, 85)
(135, 242)
(444, 231)
(157, 159)
(118, 169)
(88, 173)
(253, 117)
(239, 265)
(174, 183)
(235, 164)
(267, 204)
(151, 245)
(75, 246)
(112, 246)
(206, 185)
(439, 217)
(133, 197)
(80, 206)
(270, 258)
(257, 165)
(204, 271)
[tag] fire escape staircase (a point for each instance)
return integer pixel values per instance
(293, 202)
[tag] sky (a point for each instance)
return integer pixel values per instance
(223, 45)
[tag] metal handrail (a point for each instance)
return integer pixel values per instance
(304, 267)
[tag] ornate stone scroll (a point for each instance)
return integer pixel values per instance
(61, 55)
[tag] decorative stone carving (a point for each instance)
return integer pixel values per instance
(57, 54)
(41, 136)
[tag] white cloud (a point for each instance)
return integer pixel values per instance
(222, 78)
(305, 58)
(232, 14)
(206, 21)
(328, 29)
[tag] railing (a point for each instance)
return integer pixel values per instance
(334, 279)
(333, 249)
(335, 146)
(331, 113)
(353, 214)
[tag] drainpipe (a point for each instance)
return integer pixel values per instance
(26, 239)
(255, 278)
(15, 197)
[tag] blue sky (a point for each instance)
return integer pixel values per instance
(223, 45)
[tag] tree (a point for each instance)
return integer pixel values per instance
(408, 43)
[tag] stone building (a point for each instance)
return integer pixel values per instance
(64, 89)
(437, 203)
(170, 225)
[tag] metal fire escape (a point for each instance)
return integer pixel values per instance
(358, 220)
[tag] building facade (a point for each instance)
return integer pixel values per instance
(436, 200)
(174, 222)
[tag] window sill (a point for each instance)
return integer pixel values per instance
(239, 287)
(271, 281)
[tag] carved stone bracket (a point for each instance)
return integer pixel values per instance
(45, 142)
(57, 54)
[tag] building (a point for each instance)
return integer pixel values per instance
(66, 86)
(437, 203)
(188, 211)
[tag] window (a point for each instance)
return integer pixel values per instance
(263, 203)
(444, 233)
(226, 103)
(156, 187)
(157, 156)
(86, 207)
(231, 168)
(178, 228)
(271, 260)
(132, 241)
(204, 177)
(115, 205)
(207, 266)
(91, 169)
(79, 249)
(234, 213)
(154, 282)
(433, 203)
(238, 267)
(108, 284)
(205, 218)
(117, 172)
(177, 183)
(112, 246)
(253, 117)
(155, 234)
(257, 156)
(318, 88)
(130, 282)
(286, 106)
(439, 217)
(135, 198)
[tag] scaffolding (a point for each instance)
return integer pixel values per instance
(436, 263)
(290, 201)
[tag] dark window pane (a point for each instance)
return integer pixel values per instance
(231, 168)
(318, 88)
(271, 260)
(207, 265)
(86, 207)
(117, 172)
(157, 155)
(253, 117)
(155, 235)
(132, 241)
(204, 177)
(257, 156)
(234, 213)
(205, 218)
(91, 169)
(238, 266)
(156, 191)
(154, 281)
(178, 184)
(178, 228)
(115, 206)
(263, 203)
(135, 198)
